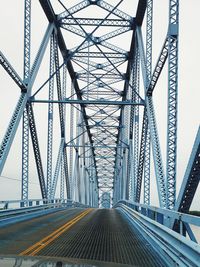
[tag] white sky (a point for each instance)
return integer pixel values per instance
(11, 28)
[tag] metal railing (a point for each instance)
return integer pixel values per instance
(155, 225)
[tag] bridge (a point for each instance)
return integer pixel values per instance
(82, 146)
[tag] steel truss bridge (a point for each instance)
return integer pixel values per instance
(95, 95)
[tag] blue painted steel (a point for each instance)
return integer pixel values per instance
(18, 112)
(24, 214)
(91, 102)
(158, 164)
(164, 216)
(64, 89)
(25, 124)
(158, 68)
(11, 71)
(147, 157)
(57, 169)
(59, 87)
(191, 178)
(105, 163)
(50, 119)
(142, 161)
(172, 103)
(11, 130)
(171, 246)
(36, 149)
(136, 85)
(71, 158)
(62, 179)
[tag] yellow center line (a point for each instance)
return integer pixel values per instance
(31, 251)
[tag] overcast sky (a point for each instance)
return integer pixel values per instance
(11, 28)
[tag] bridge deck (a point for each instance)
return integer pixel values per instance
(100, 235)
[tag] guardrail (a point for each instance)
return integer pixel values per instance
(12, 212)
(174, 248)
(13, 204)
(166, 217)
(16, 210)
(20, 204)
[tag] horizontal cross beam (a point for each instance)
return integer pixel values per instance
(91, 102)
(96, 22)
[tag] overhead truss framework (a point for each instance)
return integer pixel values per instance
(108, 83)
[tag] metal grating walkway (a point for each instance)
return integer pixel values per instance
(104, 235)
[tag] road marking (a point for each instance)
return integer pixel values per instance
(31, 251)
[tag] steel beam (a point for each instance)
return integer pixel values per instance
(172, 103)
(115, 11)
(18, 112)
(68, 190)
(71, 158)
(61, 43)
(78, 7)
(99, 55)
(36, 149)
(40, 54)
(25, 124)
(11, 130)
(59, 87)
(96, 22)
(159, 170)
(147, 156)
(191, 178)
(57, 169)
(50, 119)
(139, 19)
(12, 73)
(62, 181)
(158, 68)
(158, 164)
(141, 157)
(90, 102)
(136, 80)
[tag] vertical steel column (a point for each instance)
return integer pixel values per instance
(117, 179)
(141, 158)
(78, 133)
(82, 162)
(64, 89)
(66, 174)
(84, 171)
(123, 160)
(75, 176)
(128, 184)
(50, 119)
(79, 180)
(130, 151)
(71, 138)
(62, 175)
(57, 169)
(132, 112)
(147, 166)
(148, 70)
(125, 155)
(87, 173)
(25, 121)
(128, 141)
(172, 101)
(136, 79)
(120, 163)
